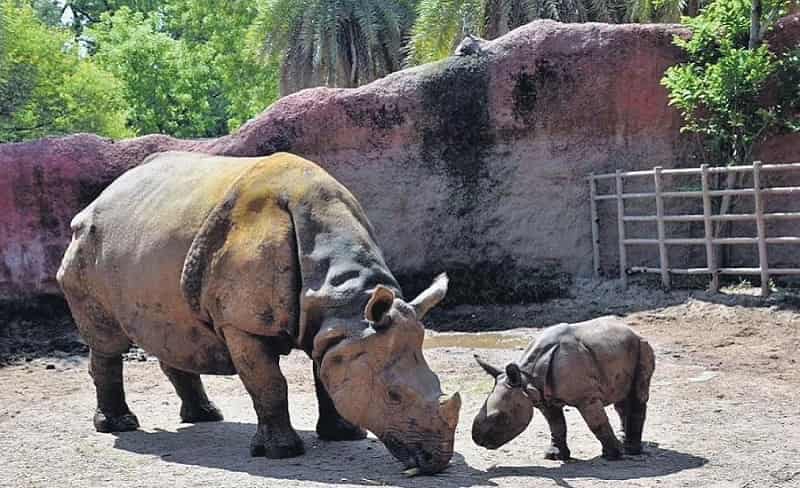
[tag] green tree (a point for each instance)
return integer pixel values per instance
(341, 43)
(170, 88)
(46, 88)
(249, 84)
(186, 67)
(722, 90)
(84, 13)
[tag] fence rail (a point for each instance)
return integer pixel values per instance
(759, 216)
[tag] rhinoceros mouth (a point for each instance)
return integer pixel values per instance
(414, 458)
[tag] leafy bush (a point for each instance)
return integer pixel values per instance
(46, 88)
(733, 96)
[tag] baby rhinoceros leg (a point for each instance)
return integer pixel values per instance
(195, 405)
(256, 361)
(558, 433)
(331, 426)
(634, 409)
(595, 416)
(634, 422)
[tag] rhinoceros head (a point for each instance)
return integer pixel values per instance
(508, 409)
(379, 380)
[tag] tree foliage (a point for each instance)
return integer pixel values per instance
(170, 87)
(186, 68)
(731, 95)
(200, 68)
(340, 43)
(46, 88)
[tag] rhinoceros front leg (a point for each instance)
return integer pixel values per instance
(558, 433)
(195, 405)
(330, 425)
(112, 414)
(595, 416)
(257, 364)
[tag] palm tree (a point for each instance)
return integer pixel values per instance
(338, 43)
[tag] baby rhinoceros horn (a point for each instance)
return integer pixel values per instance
(449, 407)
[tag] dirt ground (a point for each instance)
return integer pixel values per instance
(723, 411)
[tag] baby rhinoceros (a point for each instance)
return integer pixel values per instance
(587, 365)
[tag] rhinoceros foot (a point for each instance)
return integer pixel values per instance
(121, 423)
(205, 412)
(632, 448)
(276, 444)
(339, 430)
(612, 453)
(554, 453)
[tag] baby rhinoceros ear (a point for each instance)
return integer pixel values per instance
(518, 378)
(490, 370)
(514, 375)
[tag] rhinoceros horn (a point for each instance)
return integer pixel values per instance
(430, 297)
(449, 407)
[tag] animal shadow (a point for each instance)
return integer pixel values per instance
(225, 445)
(655, 462)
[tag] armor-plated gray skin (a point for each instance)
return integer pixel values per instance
(220, 265)
(587, 365)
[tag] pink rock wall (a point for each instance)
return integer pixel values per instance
(475, 165)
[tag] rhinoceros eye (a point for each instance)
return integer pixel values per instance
(395, 397)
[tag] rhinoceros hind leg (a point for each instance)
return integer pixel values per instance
(634, 424)
(595, 416)
(256, 362)
(558, 449)
(112, 414)
(330, 425)
(195, 405)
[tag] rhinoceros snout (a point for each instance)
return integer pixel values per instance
(428, 457)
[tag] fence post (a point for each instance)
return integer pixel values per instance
(595, 225)
(709, 231)
(623, 257)
(662, 246)
(762, 233)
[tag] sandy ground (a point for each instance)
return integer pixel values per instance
(723, 412)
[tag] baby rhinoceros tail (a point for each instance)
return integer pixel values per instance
(644, 371)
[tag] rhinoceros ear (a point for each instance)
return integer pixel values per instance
(490, 370)
(379, 304)
(514, 375)
(430, 297)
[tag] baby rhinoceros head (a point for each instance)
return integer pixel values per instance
(509, 408)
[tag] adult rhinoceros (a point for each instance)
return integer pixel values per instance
(219, 265)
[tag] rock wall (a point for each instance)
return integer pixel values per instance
(475, 165)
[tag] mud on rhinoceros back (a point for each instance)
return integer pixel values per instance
(218, 265)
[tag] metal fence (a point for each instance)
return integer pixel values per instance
(709, 241)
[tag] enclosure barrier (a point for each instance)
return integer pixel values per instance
(709, 241)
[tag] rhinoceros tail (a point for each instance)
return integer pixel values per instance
(644, 371)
